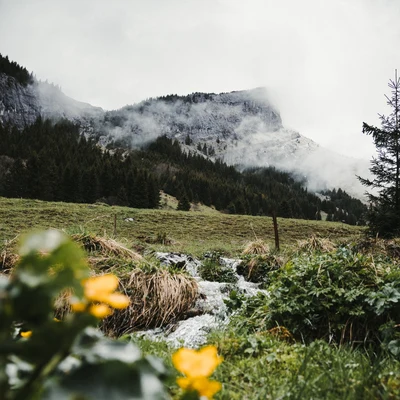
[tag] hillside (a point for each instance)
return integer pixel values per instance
(191, 232)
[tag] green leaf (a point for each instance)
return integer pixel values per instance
(42, 242)
(94, 348)
(394, 347)
(111, 380)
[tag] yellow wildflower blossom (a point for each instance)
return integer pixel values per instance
(100, 290)
(194, 363)
(78, 306)
(202, 385)
(26, 334)
(198, 365)
(98, 287)
(100, 310)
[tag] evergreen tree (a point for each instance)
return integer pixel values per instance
(384, 217)
(183, 204)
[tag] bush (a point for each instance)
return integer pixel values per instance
(213, 271)
(258, 269)
(340, 297)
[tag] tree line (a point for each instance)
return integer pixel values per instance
(54, 162)
(12, 68)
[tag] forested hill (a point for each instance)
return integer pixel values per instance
(54, 162)
(12, 68)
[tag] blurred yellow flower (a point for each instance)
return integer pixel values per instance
(202, 385)
(99, 286)
(26, 334)
(78, 306)
(100, 289)
(100, 310)
(194, 363)
(198, 365)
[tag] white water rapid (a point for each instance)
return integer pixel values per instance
(192, 332)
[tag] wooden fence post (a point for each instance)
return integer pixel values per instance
(275, 222)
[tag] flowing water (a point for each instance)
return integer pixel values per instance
(192, 332)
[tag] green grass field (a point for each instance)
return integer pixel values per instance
(257, 364)
(192, 232)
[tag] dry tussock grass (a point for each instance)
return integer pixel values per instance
(315, 243)
(256, 247)
(282, 333)
(105, 247)
(157, 299)
(375, 246)
(8, 260)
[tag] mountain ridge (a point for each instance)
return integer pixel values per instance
(241, 128)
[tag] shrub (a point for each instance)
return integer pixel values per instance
(213, 271)
(258, 268)
(340, 297)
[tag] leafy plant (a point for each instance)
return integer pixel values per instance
(41, 357)
(340, 297)
(213, 271)
(257, 268)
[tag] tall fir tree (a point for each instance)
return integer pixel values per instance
(384, 215)
(183, 204)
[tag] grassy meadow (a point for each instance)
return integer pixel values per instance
(191, 232)
(329, 330)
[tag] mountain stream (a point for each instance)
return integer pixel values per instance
(192, 332)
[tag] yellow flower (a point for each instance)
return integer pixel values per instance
(26, 334)
(99, 286)
(78, 306)
(198, 365)
(202, 385)
(195, 363)
(100, 290)
(100, 310)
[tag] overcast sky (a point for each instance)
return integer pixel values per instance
(325, 63)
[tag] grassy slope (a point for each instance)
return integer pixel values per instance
(256, 367)
(191, 232)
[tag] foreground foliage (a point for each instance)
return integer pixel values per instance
(342, 297)
(41, 357)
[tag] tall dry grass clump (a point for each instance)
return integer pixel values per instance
(315, 243)
(8, 260)
(377, 246)
(105, 247)
(256, 247)
(157, 298)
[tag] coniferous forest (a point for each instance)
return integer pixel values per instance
(12, 68)
(54, 162)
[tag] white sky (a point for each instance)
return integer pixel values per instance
(326, 63)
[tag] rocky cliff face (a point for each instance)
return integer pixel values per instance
(202, 116)
(21, 105)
